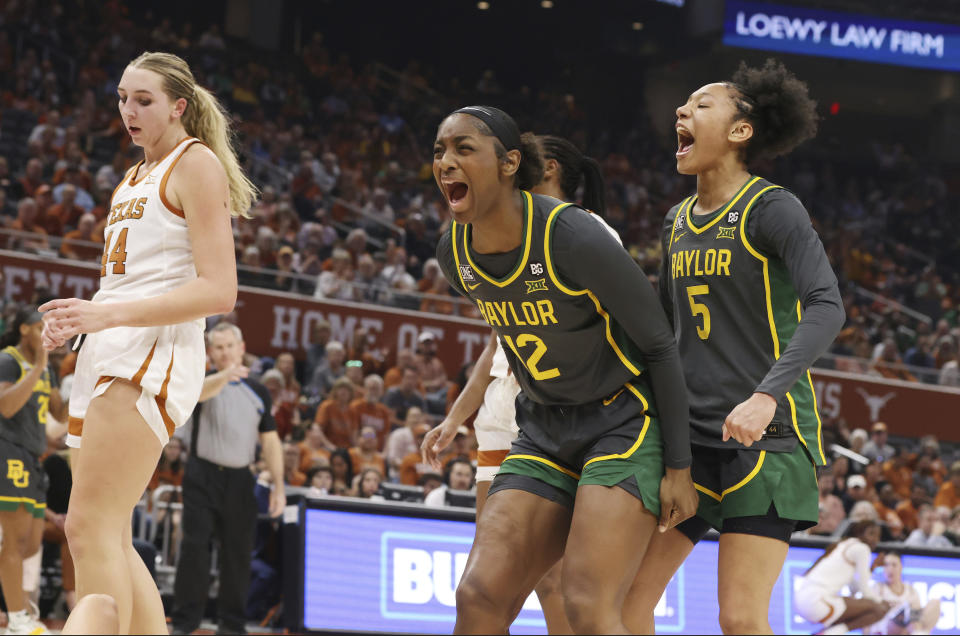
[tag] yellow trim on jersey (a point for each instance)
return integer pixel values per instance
(769, 301)
(456, 256)
(527, 240)
(643, 431)
(743, 482)
(570, 292)
(813, 394)
(673, 230)
(543, 460)
(717, 218)
(28, 500)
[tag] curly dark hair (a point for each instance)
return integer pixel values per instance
(776, 103)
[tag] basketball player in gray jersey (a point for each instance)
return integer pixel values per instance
(753, 302)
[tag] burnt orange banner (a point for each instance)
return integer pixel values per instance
(273, 322)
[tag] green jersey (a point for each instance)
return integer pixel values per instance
(27, 427)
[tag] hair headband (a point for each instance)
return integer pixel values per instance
(501, 124)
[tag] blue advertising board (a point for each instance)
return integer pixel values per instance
(804, 31)
(371, 572)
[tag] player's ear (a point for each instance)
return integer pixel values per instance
(510, 163)
(741, 131)
(551, 169)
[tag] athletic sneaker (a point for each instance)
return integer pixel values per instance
(22, 623)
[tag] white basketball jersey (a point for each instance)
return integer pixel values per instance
(147, 248)
(847, 564)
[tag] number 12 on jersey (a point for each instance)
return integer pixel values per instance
(117, 255)
(540, 348)
(699, 309)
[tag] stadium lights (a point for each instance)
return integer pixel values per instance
(483, 5)
(546, 4)
(637, 26)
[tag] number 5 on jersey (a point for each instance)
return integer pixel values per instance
(540, 348)
(117, 255)
(699, 309)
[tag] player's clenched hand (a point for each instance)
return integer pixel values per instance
(748, 420)
(436, 440)
(678, 498)
(64, 318)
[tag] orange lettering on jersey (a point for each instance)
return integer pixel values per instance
(545, 308)
(138, 210)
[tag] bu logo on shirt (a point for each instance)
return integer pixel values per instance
(16, 473)
(536, 269)
(467, 273)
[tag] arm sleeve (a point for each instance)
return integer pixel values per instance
(780, 226)
(447, 263)
(663, 279)
(267, 423)
(588, 257)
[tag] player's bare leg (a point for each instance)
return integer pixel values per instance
(747, 569)
(94, 614)
(666, 552)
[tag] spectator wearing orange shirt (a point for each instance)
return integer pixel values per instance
(338, 424)
(370, 411)
(63, 214)
(27, 221)
(291, 465)
(353, 371)
(285, 413)
(32, 178)
(412, 467)
(885, 504)
(169, 470)
(898, 473)
(365, 454)
(909, 509)
(949, 493)
(437, 299)
(313, 451)
(405, 360)
(77, 244)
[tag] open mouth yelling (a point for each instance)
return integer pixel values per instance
(456, 192)
(684, 141)
(133, 130)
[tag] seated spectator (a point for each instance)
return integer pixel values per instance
(832, 513)
(369, 411)
(878, 447)
(437, 299)
(170, 467)
(285, 414)
(908, 509)
(313, 449)
(337, 282)
(897, 471)
(317, 350)
(365, 349)
(405, 360)
(429, 482)
(401, 441)
(353, 371)
(27, 221)
(64, 214)
(925, 477)
(368, 484)
(925, 536)
(949, 493)
(458, 475)
(365, 453)
(287, 366)
(858, 440)
(320, 480)
(433, 375)
(856, 492)
(889, 365)
(412, 467)
(368, 287)
(885, 504)
(292, 476)
(77, 243)
(405, 396)
(328, 371)
(335, 419)
(342, 468)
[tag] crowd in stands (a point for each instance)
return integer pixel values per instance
(348, 211)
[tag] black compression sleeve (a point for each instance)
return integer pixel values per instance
(588, 257)
(779, 226)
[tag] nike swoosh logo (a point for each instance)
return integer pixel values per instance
(677, 238)
(472, 287)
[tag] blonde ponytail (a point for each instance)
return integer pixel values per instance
(205, 119)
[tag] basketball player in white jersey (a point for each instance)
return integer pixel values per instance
(848, 562)
(168, 262)
(918, 618)
(492, 388)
